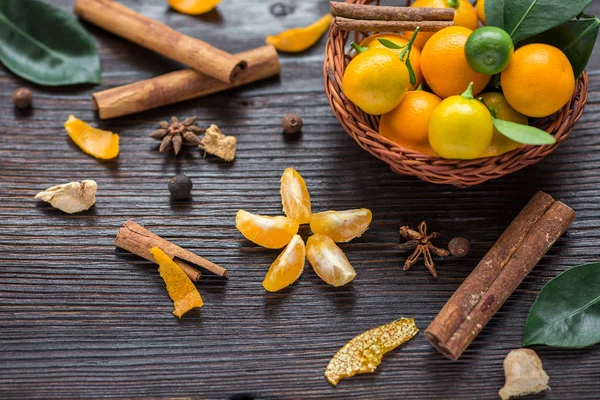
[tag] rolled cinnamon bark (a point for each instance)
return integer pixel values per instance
(368, 25)
(499, 273)
(177, 86)
(388, 13)
(146, 32)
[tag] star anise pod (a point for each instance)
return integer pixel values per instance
(175, 134)
(420, 242)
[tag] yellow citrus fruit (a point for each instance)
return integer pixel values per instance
(461, 127)
(341, 226)
(95, 142)
(480, 9)
(445, 67)
(408, 124)
(376, 81)
(294, 196)
(464, 15)
(500, 109)
(287, 267)
(415, 53)
(539, 80)
(299, 39)
(193, 7)
(269, 232)
(328, 260)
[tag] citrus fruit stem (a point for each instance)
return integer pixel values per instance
(359, 49)
(468, 94)
(406, 54)
(452, 3)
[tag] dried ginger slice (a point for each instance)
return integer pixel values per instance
(364, 352)
(218, 144)
(182, 291)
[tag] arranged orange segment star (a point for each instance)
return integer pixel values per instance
(95, 142)
(288, 267)
(294, 196)
(341, 226)
(181, 289)
(269, 232)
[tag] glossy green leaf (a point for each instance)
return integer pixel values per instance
(575, 38)
(389, 44)
(43, 44)
(524, 18)
(566, 313)
(523, 133)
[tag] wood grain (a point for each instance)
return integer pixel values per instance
(81, 319)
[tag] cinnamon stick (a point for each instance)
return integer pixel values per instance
(364, 25)
(389, 13)
(138, 240)
(499, 273)
(146, 32)
(263, 62)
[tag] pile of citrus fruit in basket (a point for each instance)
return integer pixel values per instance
(464, 92)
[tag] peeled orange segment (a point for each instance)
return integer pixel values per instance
(182, 291)
(341, 226)
(193, 7)
(328, 260)
(287, 267)
(299, 39)
(269, 232)
(294, 196)
(95, 142)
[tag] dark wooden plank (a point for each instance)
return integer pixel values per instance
(79, 318)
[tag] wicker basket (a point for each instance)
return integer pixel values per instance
(364, 129)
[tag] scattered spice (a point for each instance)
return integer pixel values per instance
(292, 123)
(420, 242)
(175, 134)
(22, 98)
(217, 144)
(180, 187)
(72, 197)
(364, 353)
(524, 374)
(182, 291)
(459, 246)
(95, 142)
(498, 274)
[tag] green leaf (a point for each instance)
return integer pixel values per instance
(45, 45)
(575, 38)
(389, 44)
(411, 71)
(566, 313)
(523, 133)
(524, 18)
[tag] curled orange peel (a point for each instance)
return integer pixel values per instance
(296, 40)
(95, 142)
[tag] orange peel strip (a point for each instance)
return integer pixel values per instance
(95, 142)
(193, 7)
(182, 291)
(364, 353)
(296, 40)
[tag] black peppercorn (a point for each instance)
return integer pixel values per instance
(459, 247)
(292, 123)
(22, 97)
(180, 187)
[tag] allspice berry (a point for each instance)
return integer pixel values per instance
(292, 123)
(180, 187)
(22, 97)
(459, 247)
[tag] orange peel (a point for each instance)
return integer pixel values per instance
(193, 7)
(95, 142)
(296, 40)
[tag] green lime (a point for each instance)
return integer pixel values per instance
(489, 50)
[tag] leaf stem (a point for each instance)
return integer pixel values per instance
(359, 49)
(468, 94)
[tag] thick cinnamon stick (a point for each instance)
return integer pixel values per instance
(177, 86)
(146, 32)
(388, 13)
(499, 273)
(138, 240)
(365, 25)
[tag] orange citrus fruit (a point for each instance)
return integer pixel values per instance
(464, 15)
(287, 267)
(480, 9)
(193, 7)
(408, 124)
(294, 196)
(500, 109)
(341, 226)
(445, 67)
(539, 80)
(415, 53)
(328, 260)
(95, 142)
(269, 232)
(376, 81)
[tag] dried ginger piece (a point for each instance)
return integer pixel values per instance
(216, 143)
(364, 352)
(71, 197)
(182, 291)
(524, 374)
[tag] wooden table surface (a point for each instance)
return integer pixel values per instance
(79, 318)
